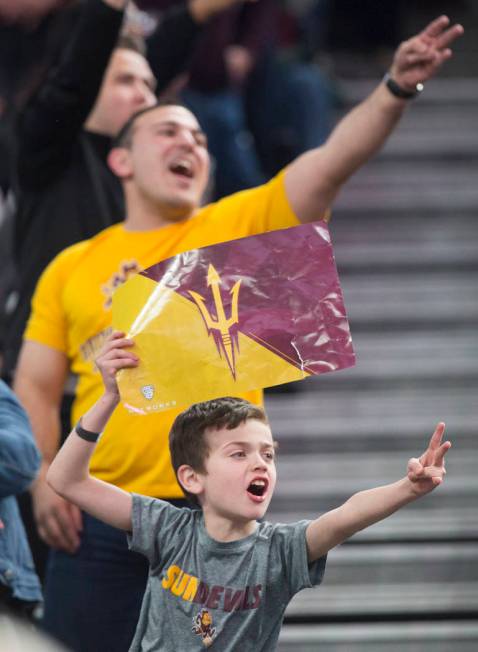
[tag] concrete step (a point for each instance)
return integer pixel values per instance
(440, 92)
(421, 636)
(343, 473)
(410, 600)
(419, 299)
(404, 257)
(451, 522)
(319, 420)
(441, 123)
(409, 356)
(309, 485)
(410, 186)
(395, 564)
(432, 229)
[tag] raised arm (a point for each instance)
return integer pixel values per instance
(53, 118)
(314, 179)
(68, 474)
(368, 507)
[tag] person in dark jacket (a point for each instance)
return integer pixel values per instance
(19, 464)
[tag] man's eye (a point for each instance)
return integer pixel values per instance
(269, 455)
(239, 454)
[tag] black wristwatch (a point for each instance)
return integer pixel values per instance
(400, 92)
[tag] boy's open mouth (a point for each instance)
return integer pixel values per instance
(258, 487)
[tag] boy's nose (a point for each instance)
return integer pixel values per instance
(259, 462)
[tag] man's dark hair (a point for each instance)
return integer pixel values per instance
(187, 443)
(133, 42)
(123, 138)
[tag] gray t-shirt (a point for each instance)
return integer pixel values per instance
(201, 592)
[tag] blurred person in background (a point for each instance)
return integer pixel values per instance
(30, 33)
(19, 464)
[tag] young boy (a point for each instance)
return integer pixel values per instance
(218, 576)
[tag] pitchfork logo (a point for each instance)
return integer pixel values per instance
(219, 325)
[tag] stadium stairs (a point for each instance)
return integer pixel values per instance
(405, 232)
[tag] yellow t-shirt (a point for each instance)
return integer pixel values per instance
(71, 312)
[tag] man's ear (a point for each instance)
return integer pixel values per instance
(189, 479)
(119, 160)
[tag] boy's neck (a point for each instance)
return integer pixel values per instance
(223, 529)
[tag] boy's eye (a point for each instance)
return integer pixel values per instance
(269, 455)
(239, 454)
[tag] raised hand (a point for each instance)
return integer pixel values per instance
(113, 357)
(419, 58)
(427, 472)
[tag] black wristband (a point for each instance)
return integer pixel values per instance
(400, 92)
(87, 435)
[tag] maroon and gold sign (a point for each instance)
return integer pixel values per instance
(232, 317)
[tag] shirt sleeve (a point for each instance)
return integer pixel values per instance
(156, 526)
(258, 210)
(48, 323)
(19, 457)
(297, 571)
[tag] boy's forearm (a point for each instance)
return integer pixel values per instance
(70, 466)
(372, 505)
(69, 474)
(358, 512)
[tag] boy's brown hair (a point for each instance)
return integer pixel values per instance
(187, 443)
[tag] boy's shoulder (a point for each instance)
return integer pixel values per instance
(269, 530)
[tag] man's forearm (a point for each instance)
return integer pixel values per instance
(361, 134)
(44, 417)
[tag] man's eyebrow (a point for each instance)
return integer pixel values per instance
(172, 123)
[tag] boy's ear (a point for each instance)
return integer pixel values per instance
(189, 479)
(119, 162)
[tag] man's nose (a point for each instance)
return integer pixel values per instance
(186, 138)
(143, 93)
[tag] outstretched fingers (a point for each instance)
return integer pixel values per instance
(428, 471)
(440, 454)
(436, 27)
(448, 36)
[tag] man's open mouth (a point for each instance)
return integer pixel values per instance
(183, 168)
